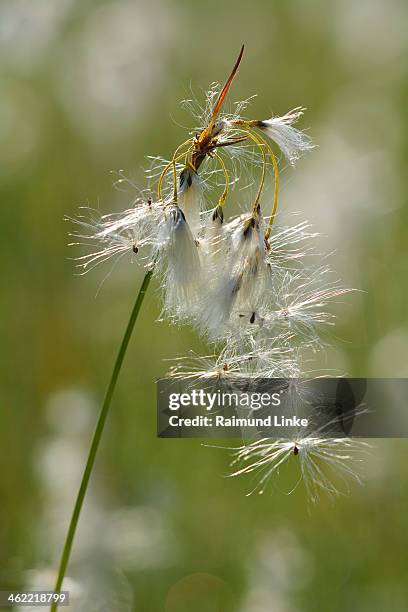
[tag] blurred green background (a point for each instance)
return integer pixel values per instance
(91, 87)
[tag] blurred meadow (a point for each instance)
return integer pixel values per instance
(91, 88)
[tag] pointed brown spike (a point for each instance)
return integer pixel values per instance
(226, 87)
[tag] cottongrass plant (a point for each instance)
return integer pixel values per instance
(246, 285)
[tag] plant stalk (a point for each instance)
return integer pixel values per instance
(97, 436)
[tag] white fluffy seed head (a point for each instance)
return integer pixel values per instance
(182, 266)
(190, 198)
(325, 465)
(213, 242)
(238, 278)
(298, 303)
(132, 232)
(290, 140)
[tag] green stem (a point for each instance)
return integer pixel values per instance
(97, 436)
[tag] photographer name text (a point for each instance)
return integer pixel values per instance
(221, 421)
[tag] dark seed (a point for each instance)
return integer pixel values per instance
(247, 230)
(218, 214)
